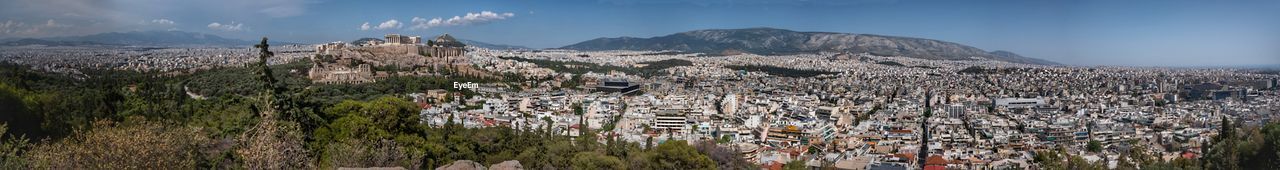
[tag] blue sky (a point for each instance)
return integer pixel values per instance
(1126, 32)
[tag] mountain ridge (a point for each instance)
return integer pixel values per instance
(773, 41)
(482, 44)
(140, 38)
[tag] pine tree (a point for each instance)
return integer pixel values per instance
(271, 144)
(648, 143)
(586, 138)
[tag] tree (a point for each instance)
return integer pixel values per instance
(596, 160)
(577, 109)
(110, 145)
(1049, 159)
(794, 165)
(725, 139)
(724, 157)
(272, 143)
(1223, 155)
(11, 148)
(1094, 146)
(1226, 131)
(358, 153)
(648, 142)
(1077, 162)
(677, 154)
(586, 139)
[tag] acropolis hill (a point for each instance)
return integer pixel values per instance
(340, 62)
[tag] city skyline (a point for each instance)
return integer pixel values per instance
(639, 84)
(1129, 33)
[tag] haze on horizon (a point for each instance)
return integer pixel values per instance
(1136, 33)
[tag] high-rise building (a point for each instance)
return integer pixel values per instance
(729, 105)
(670, 120)
(955, 110)
(1019, 102)
(825, 112)
(1275, 83)
(620, 85)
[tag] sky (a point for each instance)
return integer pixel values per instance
(1086, 32)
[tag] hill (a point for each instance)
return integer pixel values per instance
(772, 41)
(33, 41)
(151, 38)
(474, 43)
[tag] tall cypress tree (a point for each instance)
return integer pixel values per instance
(924, 130)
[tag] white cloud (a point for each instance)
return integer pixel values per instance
(364, 27)
(23, 29)
(233, 26)
(469, 19)
(13, 28)
(97, 16)
(284, 8)
(162, 21)
(389, 24)
(54, 24)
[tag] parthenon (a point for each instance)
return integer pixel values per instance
(339, 62)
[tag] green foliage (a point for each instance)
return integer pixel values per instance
(794, 165)
(677, 154)
(577, 109)
(111, 119)
(222, 117)
(664, 64)
(133, 144)
(1049, 159)
(11, 148)
(380, 132)
(359, 125)
(1094, 146)
(1059, 159)
(1234, 148)
(890, 63)
(724, 139)
(725, 158)
(237, 81)
(328, 93)
(779, 71)
(596, 160)
(572, 82)
(1248, 147)
(50, 106)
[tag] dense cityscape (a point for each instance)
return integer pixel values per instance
(824, 110)
(624, 84)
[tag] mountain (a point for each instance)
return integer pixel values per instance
(364, 40)
(492, 46)
(1015, 58)
(772, 41)
(33, 41)
(159, 38)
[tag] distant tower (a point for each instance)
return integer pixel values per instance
(1275, 83)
